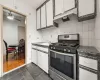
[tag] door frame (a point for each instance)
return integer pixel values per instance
(1, 38)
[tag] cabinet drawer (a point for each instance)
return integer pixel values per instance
(86, 75)
(54, 76)
(33, 46)
(42, 48)
(88, 62)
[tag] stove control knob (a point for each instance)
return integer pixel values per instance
(69, 51)
(51, 47)
(64, 49)
(54, 48)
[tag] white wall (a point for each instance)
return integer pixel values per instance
(97, 27)
(32, 34)
(85, 29)
(21, 33)
(10, 32)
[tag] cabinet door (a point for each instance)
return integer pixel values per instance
(38, 19)
(40, 62)
(43, 16)
(88, 62)
(49, 11)
(86, 75)
(69, 4)
(34, 56)
(86, 7)
(43, 61)
(58, 7)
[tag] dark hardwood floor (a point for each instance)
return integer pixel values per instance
(28, 72)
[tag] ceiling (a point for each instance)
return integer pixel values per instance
(17, 16)
(34, 3)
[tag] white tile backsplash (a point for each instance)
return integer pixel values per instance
(97, 27)
(72, 27)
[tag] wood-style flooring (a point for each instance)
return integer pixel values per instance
(13, 63)
(28, 72)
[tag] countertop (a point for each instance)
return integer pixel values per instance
(88, 51)
(42, 44)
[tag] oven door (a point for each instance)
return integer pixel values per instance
(64, 64)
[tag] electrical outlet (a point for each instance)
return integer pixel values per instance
(29, 36)
(29, 13)
(37, 37)
(15, 7)
(51, 36)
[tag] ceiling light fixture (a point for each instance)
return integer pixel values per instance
(10, 16)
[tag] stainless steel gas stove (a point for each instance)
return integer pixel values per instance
(63, 57)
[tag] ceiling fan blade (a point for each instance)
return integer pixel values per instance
(17, 19)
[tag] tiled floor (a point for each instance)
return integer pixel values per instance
(29, 72)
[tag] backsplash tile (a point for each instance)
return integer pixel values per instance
(85, 29)
(97, 27)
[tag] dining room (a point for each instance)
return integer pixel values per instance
(13, 40)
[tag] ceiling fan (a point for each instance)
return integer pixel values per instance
(10, 16)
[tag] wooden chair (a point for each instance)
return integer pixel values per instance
(9, 50)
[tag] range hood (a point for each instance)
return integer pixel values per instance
(59, 18)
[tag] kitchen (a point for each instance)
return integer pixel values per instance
(69, 19)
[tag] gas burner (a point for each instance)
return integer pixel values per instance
(68, 43)
(65, 44)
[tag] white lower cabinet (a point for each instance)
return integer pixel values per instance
(88, 62)
(86, 75)
(43, 61)
(34, 56)
(39, 59)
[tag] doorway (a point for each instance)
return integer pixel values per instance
(14, 40)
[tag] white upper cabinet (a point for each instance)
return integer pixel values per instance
(63, 8)
(68, 4)
(46, 11)
(58, 7)
(38, 19)
(43, 16)
(86, 7)
(49, 11)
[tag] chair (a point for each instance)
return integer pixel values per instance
(21, 47)
(9, 50)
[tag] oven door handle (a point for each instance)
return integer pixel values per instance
(63, 53)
